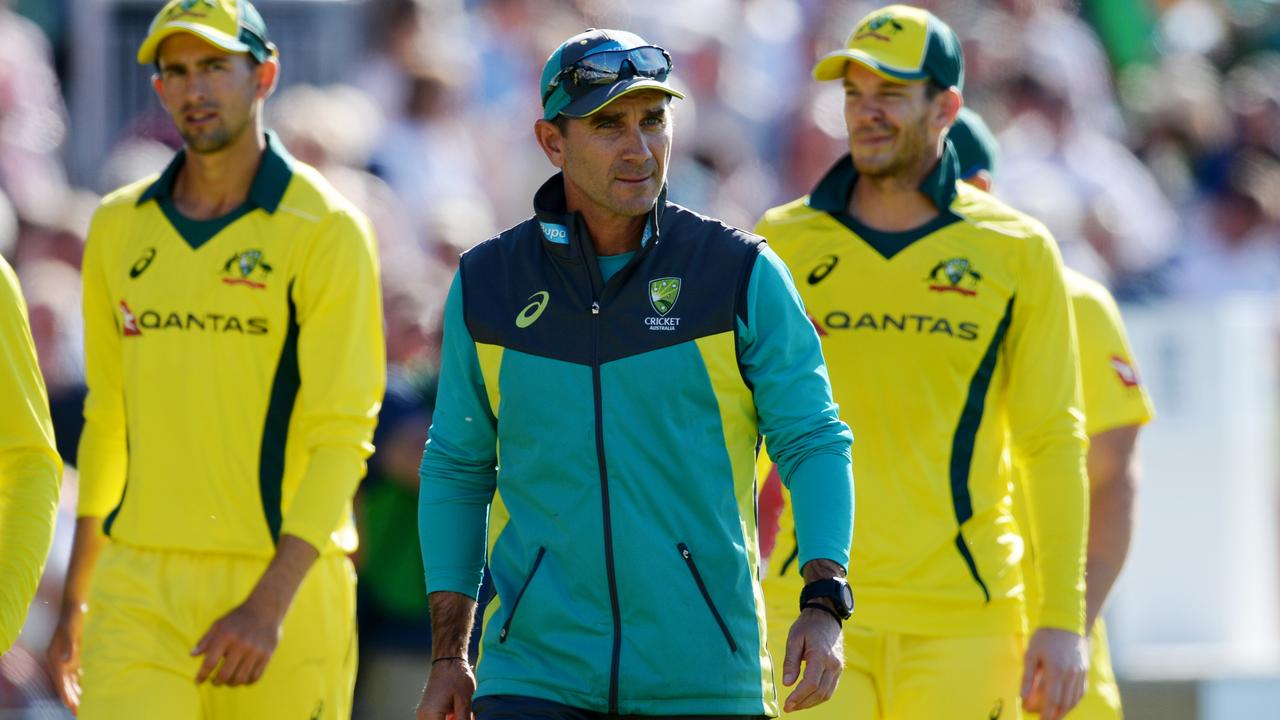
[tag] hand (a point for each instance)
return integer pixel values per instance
(815, 639)
(64, 656)
(243, 640)
(1054, 672)
(447, 695)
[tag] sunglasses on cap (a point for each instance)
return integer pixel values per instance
(608, 67)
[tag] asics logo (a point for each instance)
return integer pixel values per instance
(531, 312)
(823, 269)
(142, 263)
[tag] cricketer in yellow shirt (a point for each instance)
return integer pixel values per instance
(30, 469)
(1116, 406)
(235, 362)
(951, 351)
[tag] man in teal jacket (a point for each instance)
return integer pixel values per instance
(609, 368)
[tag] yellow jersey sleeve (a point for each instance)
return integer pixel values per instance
(30, 470)
(102, 457)
(1113, 392)
(1046, 427)
(342, 366)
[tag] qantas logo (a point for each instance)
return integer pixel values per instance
(905, 323)
(822, 332)
(210, 322)
(130, 322)
(1128, 373)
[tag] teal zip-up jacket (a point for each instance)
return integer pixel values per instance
(613, 425)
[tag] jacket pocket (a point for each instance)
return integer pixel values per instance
(515, 605)
(706, 596)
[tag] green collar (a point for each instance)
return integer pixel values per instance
(832, 194)
(834, 189)
(269, 183)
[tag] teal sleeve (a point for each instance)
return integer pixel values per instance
(458, 474)
(782, 360)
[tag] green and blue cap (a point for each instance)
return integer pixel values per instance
(594, 68)
(901, 43)
(976, 146)
(232, 25)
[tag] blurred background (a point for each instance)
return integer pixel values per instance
(1144, 133)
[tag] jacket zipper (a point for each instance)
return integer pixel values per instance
(608, 521)
(706, 596)
(506, 626)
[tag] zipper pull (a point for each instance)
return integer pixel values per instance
(595, 308)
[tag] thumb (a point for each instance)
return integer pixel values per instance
(60, 647)
(791, 660)
(1030, 663)
(203, 646)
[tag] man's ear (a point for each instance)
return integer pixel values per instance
(947, 106)
(268, 74)
(551, 140)
(981, 180)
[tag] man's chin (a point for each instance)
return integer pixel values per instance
(874, 167)
(206, 144)
(635, 203)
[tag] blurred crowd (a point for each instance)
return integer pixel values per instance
(1144, 133)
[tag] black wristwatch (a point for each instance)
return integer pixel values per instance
(834, 589)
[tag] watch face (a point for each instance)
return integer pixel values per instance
(846, 598)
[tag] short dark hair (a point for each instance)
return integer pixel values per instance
(562, 124)
(254, 62)
(933, 89)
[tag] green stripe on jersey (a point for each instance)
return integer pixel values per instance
(965, 437)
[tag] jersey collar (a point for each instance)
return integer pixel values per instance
(556, 222)
(269, 182)
(833, 191)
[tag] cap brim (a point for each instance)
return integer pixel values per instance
(832, 67)
(593, 101)
(147, 52)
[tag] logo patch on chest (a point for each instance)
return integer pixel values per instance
(531, 312)
(142, 263)
(955, 275)
(663, 295)
(823, 269)
(249, 268)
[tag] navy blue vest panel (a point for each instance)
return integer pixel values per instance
(505, 278)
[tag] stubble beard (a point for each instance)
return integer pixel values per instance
(608, 196)
(212, 140)
(907, 160)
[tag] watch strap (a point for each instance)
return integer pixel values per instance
(815, 605)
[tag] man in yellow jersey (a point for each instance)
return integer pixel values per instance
(234, 357)
(1116, 407)
(947, 329)
(30, 469)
